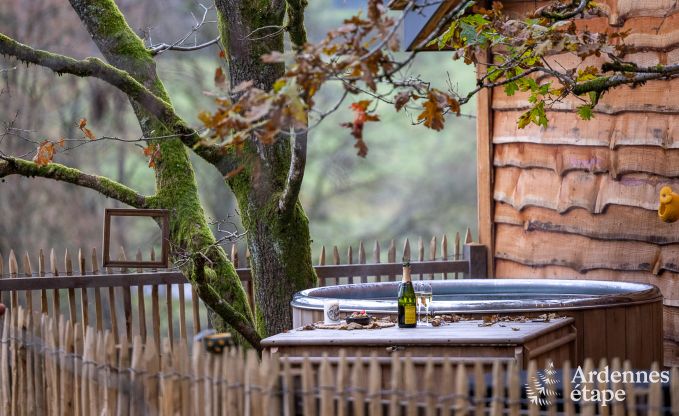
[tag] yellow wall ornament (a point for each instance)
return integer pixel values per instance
(668, 210)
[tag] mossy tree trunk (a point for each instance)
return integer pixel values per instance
(176, 188)
(278, 231)
(267, 188)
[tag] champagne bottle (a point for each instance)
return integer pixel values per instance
(407, 316)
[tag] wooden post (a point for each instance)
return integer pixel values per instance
(475, 254)
(98, 311)
(376, 258)
(484, 166)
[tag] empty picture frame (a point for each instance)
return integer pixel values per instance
(162, 214)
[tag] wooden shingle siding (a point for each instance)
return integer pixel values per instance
(579, 199)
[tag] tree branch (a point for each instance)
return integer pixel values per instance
(230, 315)
(293, 182)
(295, 24)
(603, 84)
(101, 184)
(95, 67)
(162, 47)
(566, 15)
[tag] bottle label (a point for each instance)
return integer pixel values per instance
(410, 317)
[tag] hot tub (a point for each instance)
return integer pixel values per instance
(612, 319)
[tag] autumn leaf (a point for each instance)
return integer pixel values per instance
(222, 54)
(220, 78)
(432, 115)
(152, 151)
(87, 132)
(401, 100)
(361, 116)
(44, 153)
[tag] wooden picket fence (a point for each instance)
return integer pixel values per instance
(120, 300)
(52, 367)
(110, 299)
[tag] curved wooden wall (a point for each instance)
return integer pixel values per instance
(578, 199)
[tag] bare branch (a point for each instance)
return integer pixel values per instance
(162, 47)
(103, 185)
(94, 67)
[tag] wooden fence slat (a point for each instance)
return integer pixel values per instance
(514, 386)
(456, 250)
(288, 390)
(41, 273)
(2, 276)
(321, 257)
(68, 267)
(429, 386)
(38, 366)
(358, 385)
(169, 309)
(569, 405)
(141, 303)
(270, 402)
(406, 250)
(56, 304)
(655, 395)
(447, 400)
(432, 253)
(28, 272)
(155, 314)
(587, 408)
(342, 383)
(396, 378)
(462, 391)
(602, 386)
(420, 250)
(479, 389)
(531, 377)
(127, 300)
(123, 392)
(5, 380)
(84, 301)
(444, 252)
(468, 239)
(617, 407)
(410, 385)
(13, 273)
(497, 405)
(98, 311)
(674, 388)
(361, 260)
(326, 386)
(374, 386)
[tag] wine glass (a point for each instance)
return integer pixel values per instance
(418, 292)
(426, 296)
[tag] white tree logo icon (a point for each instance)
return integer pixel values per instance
(540, 388)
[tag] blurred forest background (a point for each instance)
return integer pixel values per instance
(414, 181)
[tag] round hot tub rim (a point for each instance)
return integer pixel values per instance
(607, 294)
